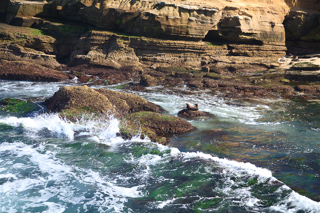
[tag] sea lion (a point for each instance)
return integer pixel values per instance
(194, 108)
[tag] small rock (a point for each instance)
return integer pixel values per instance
(148, 81)
(185, 113)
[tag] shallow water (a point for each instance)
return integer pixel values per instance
(249, 158)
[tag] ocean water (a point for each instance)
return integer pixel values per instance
(250, 157)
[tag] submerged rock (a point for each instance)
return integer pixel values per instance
(17, 105)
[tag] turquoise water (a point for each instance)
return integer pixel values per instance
(251, 157)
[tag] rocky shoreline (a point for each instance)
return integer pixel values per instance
(227, 51)
(30, 54)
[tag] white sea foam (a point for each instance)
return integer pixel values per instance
(109, 196)
(68, 182)
(103, 130)
(295, 202)
(226, 163)
(162, 204)
(52, 123)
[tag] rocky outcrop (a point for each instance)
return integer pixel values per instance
(302, 26)
(149, 81)
(158, 127)
(138, 116)
(79, 99)
(258, 23)
(249, 21)
(18, 44)
(26, 71)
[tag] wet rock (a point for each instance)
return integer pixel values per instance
(137, 114)
(310, 89)
(106, 75)
(303, 76)
(83, 99)
(158, 127)
(214, 134)
(173, 82)
(285, 90)
(148, 81)
(191, 114)
(22, 70)
(78, 99)
(195, 83)
(306, 66)
(209, 83)
(17, 105)
(128, 103)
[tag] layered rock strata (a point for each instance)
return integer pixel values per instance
(302, 25)
(258, 23)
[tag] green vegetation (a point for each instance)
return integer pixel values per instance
(285, 80)
(207, 203)
(78, 112)
(122, 86)
(54, 28)
(148, 123)
(252, 181)
(214, 44)
(17, 105)
(36, 32)
(173, 69)
(213, 75)
(119, 21)
(305, 64)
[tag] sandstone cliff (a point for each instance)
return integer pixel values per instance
(258, 23)
(302, 25)
(249, 21)
(183, 32)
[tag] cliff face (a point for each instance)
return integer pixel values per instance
(251, 31)
(249, 21)
(302, 25)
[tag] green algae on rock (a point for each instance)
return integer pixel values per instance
(17, 105)
(158, 127)
(137, 114)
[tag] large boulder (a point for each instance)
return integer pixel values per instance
(79, 99)
(82, 99)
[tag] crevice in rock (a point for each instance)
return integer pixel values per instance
(214, 37)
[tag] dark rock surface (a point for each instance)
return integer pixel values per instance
(191, 114)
